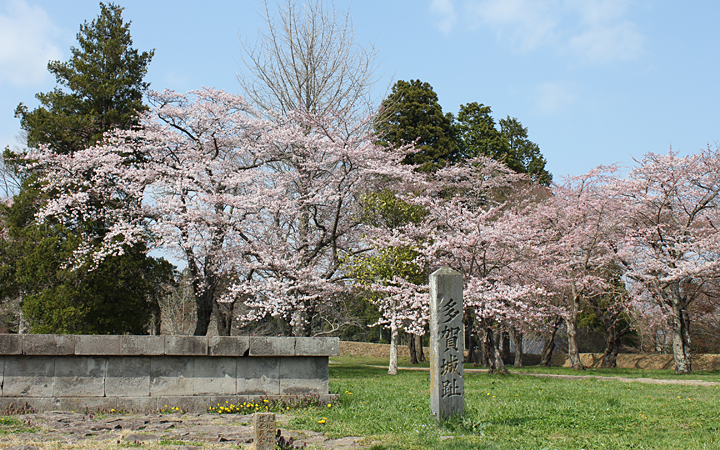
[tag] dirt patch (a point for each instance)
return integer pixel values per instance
(70, 430)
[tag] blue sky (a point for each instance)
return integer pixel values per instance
(595, 81)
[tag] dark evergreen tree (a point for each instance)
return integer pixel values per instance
(524, 155)
(104, 83)
(477, 134)
(412, 114)
(100, 88)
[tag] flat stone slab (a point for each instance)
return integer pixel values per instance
(227, 431)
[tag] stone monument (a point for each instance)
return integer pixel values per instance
(447, 341)
(264, 431)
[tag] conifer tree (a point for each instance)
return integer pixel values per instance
(412, 114)
(99, 88)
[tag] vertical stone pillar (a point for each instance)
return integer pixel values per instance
(447, 341)
(264, 433)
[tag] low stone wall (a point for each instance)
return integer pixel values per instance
(641, 361)
(149, 373)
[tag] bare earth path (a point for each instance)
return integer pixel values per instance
(68, 430)
(585, 377)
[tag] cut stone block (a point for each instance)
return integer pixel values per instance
(215, 376)
(264, 431)
(228, 345)
(30, 376)
(186, 345)
(142, 345)
(81, 404)
(132, 404)
(258, 376)
(302, 376)
(171, 376)
(10, 344)
(184, 403)
(79, 377)
(34, 403)
(97, 345)
(272, 346)
(2, 373)
(317, 346)
(128, 376)
(48, 344)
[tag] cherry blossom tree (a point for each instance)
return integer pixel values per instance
(260, 210)
(672, 250)
(582, 222)
(469, 227)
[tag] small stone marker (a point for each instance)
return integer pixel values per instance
(447, 342)
(264, 431)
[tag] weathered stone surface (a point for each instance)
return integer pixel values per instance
(317, 346)
(58, 428)
(264, 431)
(272, 346)
(258, 375)
(127, 376)
(171, 376)
(79, 377)
(228, 345)
(447, 339)
(300, 376)
(97, 345)
(10, 344)
(48, 344)
(186, 345)
(30, 376)
(142, 345)
(215, 376)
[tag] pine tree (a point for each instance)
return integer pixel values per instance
(100, 88)
(412, 114)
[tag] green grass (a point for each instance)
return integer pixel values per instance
(713, 375)
(9, 424)
(518, 412)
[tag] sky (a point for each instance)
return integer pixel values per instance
(596, 82)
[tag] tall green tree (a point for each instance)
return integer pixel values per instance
(412, 114)
(477, 134)
(98, 89)
(524, 155)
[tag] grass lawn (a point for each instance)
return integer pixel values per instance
(520, 412)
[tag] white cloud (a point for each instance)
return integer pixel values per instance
(592, 31)
(445, 10)
(553, 97)
(527, 24)
(26, 44)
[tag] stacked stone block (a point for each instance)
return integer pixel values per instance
(147, 373)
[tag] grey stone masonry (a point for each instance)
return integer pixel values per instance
(447, 340)
(147, 372)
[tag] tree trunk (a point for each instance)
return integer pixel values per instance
(204, 308)
(411, 348)
(517, 339)
(504, 345)
(224, 317)
(612, 345)
(550, 342)
(681, 334)
(470, 342)
(155, 317)
(419, 348)
(495, 362)
(393, 366)
(571, 322)
(302, 321)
